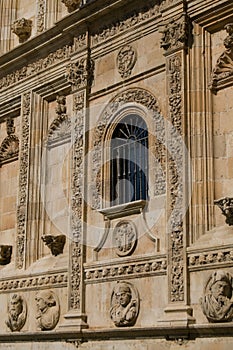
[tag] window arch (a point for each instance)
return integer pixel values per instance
(129, 160)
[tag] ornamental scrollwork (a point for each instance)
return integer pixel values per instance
(126, 60)
(217, 303)
(17, 313)
(80, 74)
(41, 9)
(176, 33)
(48, 310)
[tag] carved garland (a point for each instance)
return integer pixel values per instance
(175, 165)
(135, 95)
(77, 199)
(34, 282)
(54, 57)
(23, 181)
(130, 270)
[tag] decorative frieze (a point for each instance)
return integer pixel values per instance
(126, 60)
(136, 269)
(206, 260)
(223, 69)
(217, 300)
(72, 5)
(48, 310)
(17, 313)
(22, 28)
(37, 66)
(129, 21)
(176, 33)
(23, 181)
(34, 282)
(124, 304)
(226, 206)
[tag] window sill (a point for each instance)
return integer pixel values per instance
(124, 209)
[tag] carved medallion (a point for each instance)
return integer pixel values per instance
(217, 303)
(125, 238)
(48, 310)
(126, 60)
(17, 313)
(124, 304)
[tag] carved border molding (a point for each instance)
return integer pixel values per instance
(135, 95)
(23, 181)
(40, 19)
(136, 269)
(175, 180)
(208, 260)
(53, 58)
(77, 200)
(34, 282)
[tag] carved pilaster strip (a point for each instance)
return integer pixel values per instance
(23, 181)
(77, 201)
(41, 13)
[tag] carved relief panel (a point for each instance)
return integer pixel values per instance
(17, 313)
(48, 310)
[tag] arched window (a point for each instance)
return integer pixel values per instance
(129, 161)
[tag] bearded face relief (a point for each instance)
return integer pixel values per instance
(217, 303)
(17, 313)
(48, 310)
(124, 304)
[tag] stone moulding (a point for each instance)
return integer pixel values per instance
(37, 66)
(121, 270)
(58, 279)
(206, 260)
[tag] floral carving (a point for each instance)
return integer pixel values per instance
(41, 7)
(217, 303)
(226, 205)
(9, 149)
(48, 310)
(17, 313)
(43, 63)
(5, 254)
(55, 243)
(175, 34)
(80, 74)
(72, 5)
(125, 238)
(124, 304)
(224, 66)
(23, 181)
(126, 60)
(22, 28)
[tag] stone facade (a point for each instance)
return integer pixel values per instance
(91, 256)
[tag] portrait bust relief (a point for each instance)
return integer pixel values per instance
(217, 303)
(48, 310)
(17, 313)
(124, 304)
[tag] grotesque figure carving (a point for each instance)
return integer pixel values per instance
(55, 243)
(217, 304)
(48, 310)
(226, 205)
(124, 304)
(5, 254)
(17, 313)
(22, 28)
